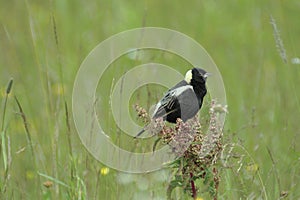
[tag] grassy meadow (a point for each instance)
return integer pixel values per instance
(255, 45)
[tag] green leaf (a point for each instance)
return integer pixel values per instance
(176, 163)
(176, 183)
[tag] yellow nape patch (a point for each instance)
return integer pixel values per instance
(188, 76)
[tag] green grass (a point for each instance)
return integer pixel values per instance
(42, 45)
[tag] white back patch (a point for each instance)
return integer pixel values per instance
(181, 89)
(188, 76)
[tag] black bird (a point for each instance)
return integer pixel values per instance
(184, 99)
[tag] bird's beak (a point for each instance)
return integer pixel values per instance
(207, 74)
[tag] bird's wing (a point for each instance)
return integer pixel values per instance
(166, 102)
(189, 105)
(169, 99)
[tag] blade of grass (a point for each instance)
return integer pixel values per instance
(3, 148)
(68, 129)
(3, 144)
(8, 164)
(73, 169)
(28, 135)
(258, 173)
(274, 167)
(8, 90)
(5, 140)
(54, 180)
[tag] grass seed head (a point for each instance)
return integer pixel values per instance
(9, 86)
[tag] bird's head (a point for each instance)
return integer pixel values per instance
(197, 74)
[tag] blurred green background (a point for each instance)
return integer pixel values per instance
(43, 43)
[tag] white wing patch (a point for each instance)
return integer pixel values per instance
(156, 108)
(180, 90)
(174, 93)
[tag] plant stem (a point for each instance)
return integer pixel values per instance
(194, 191)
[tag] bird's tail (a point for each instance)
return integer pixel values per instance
(140, 133)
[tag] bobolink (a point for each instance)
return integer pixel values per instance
(183, 100)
